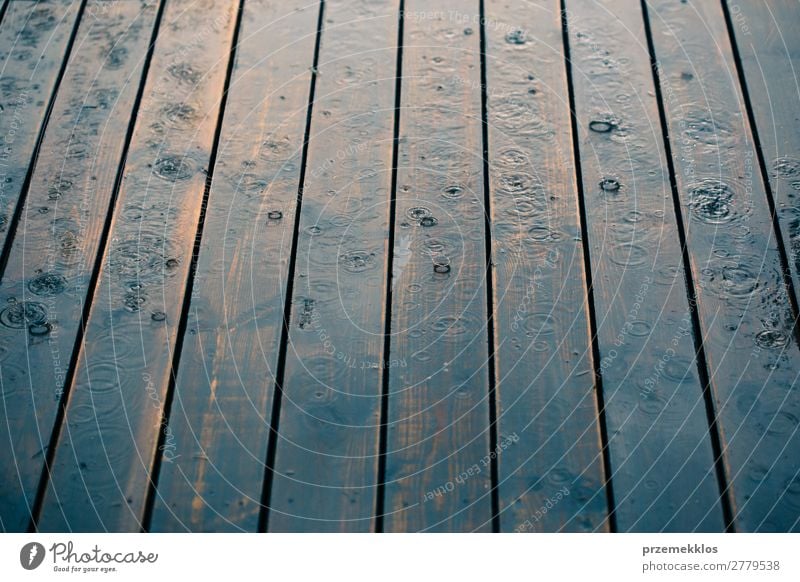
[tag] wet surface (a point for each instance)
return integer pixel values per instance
(742, 293)
(51, 260)
(286, 335)
(542, 336)
(655, 412)
(100, 469)
(439, 301)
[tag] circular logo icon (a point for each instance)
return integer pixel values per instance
(31, 555)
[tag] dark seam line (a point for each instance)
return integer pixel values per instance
(26, 184)
(487, 226)
(784, 256)
(598, 378)
(272, 444)
(91, 287)
(702, 362)
(3, 10)
(183, 321)
(380, 502)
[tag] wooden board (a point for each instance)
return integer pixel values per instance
(101, 469)
(769, 49)
(744, 308)
(552, 478)
(438, 401)
(35, 38)
(661, 452)
(326, 462)
(52, 259)
(212, 459)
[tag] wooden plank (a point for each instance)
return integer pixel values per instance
(662, 458)
(101, 469)
(326, 462)
(769, 49)
(34, 37)
(743, 304)
(50, 262)
(212, 467)
(438, 409)
(552, 478)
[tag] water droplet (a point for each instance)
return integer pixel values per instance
(710, 201)
(601, 126)
(357, 261)
(701, 127)
(158, 316)
(19, 314)
(453, 191)
(173, 168)
(133, 301)
(58, 188)
(428, 221)
(517, 182)
(178, 114)
(441, 266)
(516, 36)
(275, 215)
(313, 230)
(738, 282)
(786, 167)
(771, 338)
(468, 31)
(418, 212)
(639, 328)
(184, 72)
(47, 284)
(609, 185)
(39, 329)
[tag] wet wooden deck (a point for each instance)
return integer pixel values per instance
(389, 265)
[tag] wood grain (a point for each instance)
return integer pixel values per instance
(101, 468)
(552, 478)
(661, 451)
(52, 259)
(438, 469)
(213, 456)
(34, 37)
(326, 463)
(743, 303)
(769, 49)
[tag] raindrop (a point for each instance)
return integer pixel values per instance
(516, 36)
(707, 130)
(47, 284)
(771, 338)
(39, 329)
(786, 167)
(601, 126)
(275, 215)
(468, 31)
(428, 221)
(158, 316)
(418, 212)
(441, 266)
(357, 261)
(453, 191)
(710, 201)
(178, 114)
(18, 314)
(173, 168)
(609, 185)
